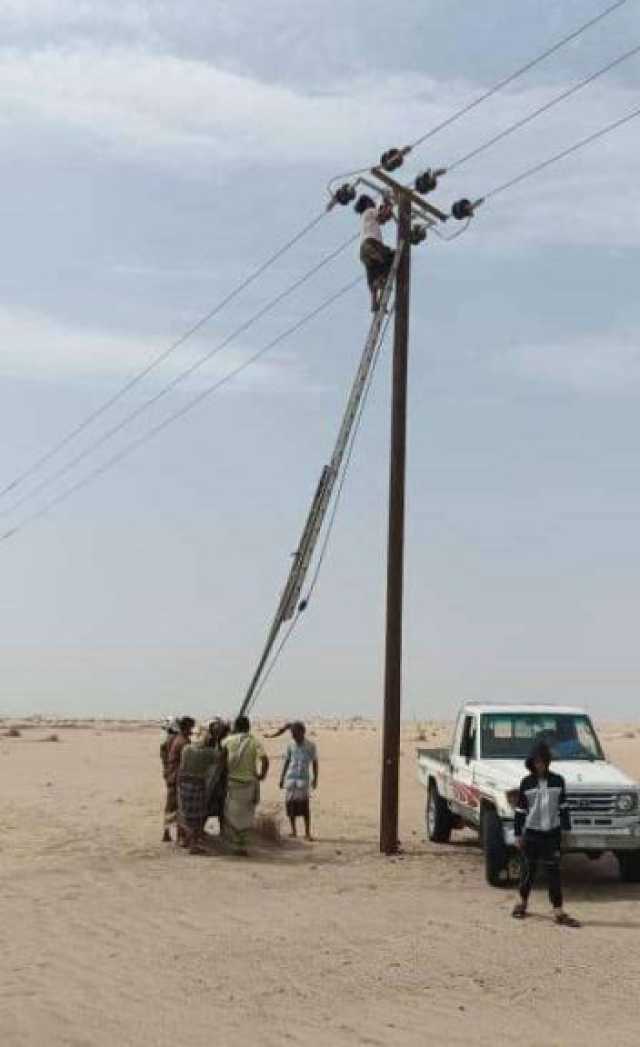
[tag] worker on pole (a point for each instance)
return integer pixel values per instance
(376, 257)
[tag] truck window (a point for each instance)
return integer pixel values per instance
(511, 736)
(468, 738)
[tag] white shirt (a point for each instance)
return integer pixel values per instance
(543, 800)
(370, 225)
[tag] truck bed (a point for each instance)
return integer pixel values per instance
(437, 755)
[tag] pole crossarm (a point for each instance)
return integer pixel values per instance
(302, 557)
(400, 190)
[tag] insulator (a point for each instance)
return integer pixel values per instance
(426, 182)
(302, 606)
(462, 209)
(391, 160)
(418, 234)
(345, 194)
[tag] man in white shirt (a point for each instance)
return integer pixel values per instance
(376, 257)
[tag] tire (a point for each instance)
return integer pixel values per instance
(629, 862)
(438, 816)
(496, 854)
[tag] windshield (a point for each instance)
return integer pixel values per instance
(511, 736)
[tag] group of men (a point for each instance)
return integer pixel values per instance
(216, 771)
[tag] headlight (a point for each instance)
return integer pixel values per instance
(626, 802)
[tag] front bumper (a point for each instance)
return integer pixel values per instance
(624, 838)
(627, 839)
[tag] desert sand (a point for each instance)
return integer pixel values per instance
(110, 937)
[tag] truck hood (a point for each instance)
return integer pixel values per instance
(578, 774)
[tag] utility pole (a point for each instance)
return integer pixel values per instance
(410, 204)
(395, 549)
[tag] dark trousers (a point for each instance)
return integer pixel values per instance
(377, 260)
(541, 849)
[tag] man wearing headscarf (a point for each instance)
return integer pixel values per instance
(171, 729)
(197, 761)
(183, 736)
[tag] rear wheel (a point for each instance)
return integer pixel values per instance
(629, 862)
(496, 854)
(438, 816)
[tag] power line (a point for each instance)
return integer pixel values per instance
(496, 87)
(519, 72)
(565, 152)
(543, 108)
(161, 357)
(104, 437)
(330, 525)
(185, 409)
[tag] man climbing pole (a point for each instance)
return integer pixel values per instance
(376, 257)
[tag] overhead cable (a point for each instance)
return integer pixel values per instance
(185, 409)
(565, 152)
(543, 109)
(518, 73)
(177, 380)
(511, 78)
(161, 357)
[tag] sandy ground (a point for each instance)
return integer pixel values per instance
(109, 937)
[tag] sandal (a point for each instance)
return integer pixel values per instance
(564, 920)
(519, 911)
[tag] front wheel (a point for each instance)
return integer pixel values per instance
(495, 850)
(629, 862)
(438, 816)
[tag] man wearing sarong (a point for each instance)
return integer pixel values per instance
(199, 759)
(216, 782)
(296, 779)
(376, 257)
(182, 738)
(171, 729)
(247, 766)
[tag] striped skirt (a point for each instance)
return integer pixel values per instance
(192, 803)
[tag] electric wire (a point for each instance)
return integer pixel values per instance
(516, 74)
(519, 72)
(543, 108)
(161, 357)
(330, 526)
(185, 409)
(529, 172)
(177, 380)
(453, 236)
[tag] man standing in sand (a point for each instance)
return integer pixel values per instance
(247, 766)
(182, 738)
(301, 757)
(171, 729)
(541, 817)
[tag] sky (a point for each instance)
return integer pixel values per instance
(153, 154)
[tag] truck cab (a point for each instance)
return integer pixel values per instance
(475, 784)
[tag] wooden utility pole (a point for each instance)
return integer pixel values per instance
(395, 560)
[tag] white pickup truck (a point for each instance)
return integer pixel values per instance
(475, 784)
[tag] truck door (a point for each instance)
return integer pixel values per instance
(465, 797)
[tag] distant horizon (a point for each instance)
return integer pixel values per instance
(309, 718)
(155, 156)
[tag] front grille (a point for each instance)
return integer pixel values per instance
(592, 803)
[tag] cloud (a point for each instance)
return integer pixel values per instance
(35, 346)
(194, 119)
(607, 364)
